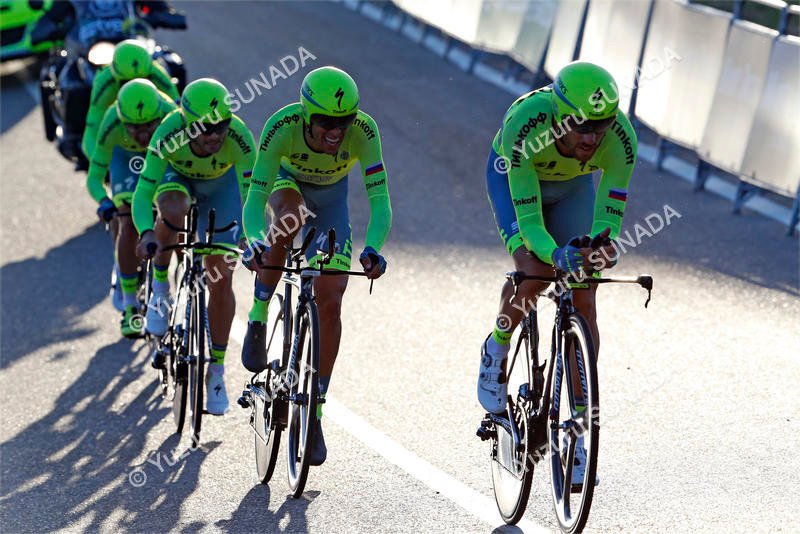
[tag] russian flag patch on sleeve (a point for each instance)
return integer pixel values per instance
(618, 194)
(374, 169)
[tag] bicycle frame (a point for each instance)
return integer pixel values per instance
(540, 376)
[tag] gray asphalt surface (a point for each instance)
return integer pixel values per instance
(700, 429)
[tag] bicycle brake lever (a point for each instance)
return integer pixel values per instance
(370, 285)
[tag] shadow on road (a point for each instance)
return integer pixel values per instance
(73, 467)
(43, 300)
(254, 515)
(16, 103)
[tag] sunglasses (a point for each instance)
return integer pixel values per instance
(333, 123)
(218, 128)
(587, 126)
(146, 127)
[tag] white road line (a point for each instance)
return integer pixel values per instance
(452, 489)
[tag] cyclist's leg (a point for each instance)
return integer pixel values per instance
(221, 194)
(286, 213)
(511, 312)
(286, 207)
(570, 215)
(492, 380)
(329, 207)
(569, 211)
(123, 183)
(173, 198)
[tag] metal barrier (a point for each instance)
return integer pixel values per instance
(531, 46)
(613, 37)
(565, 37)
(744, 72)
(692, 74)
(499, 24)
(676, 103)
(772, 157)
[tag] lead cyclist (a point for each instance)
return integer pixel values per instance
(540, 187)
(306, 152)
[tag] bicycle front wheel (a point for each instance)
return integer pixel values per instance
(574, 426)
(197, 336)
(303, 396)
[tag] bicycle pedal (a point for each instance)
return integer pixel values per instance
(244, 400)
(486, 433)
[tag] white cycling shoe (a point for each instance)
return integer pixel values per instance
(157, 317)
(116, 290)
(216, 396)
(492, 384)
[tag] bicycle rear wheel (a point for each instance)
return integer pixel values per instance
(512, 469)
(572, 502)
(303, 396)
(177, 378)
(270, 419)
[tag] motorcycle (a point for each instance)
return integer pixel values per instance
(92, 30)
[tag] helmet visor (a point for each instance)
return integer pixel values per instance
(333, 123)
(219, 128)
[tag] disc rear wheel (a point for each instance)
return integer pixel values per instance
(267, 421)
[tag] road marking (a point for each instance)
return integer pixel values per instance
(454, 490)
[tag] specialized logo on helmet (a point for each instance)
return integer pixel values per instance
(339, 95)
(214, 103)
(140, 108)
(135, 65)
(596, 100)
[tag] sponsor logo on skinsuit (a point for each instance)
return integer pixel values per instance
(364, 127)
(523, 201)
(277, 125)
(626, 142)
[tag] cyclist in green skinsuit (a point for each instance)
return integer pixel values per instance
(306, 151)
(541, 191)
(131, 60)
(125, 133)
(202, 151)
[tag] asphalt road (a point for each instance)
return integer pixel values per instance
(700, 428)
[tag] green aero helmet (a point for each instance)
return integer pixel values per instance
(138, 102)
(205, 100)
(586, 91)
(328, 91)
(131, 60)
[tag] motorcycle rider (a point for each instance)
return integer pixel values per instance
(81, 24)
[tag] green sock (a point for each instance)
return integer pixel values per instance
(218, 353)
(258, 313)
(501, 337)
(129, 284)
(261, 296)
(160, 273)
(319, 406)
